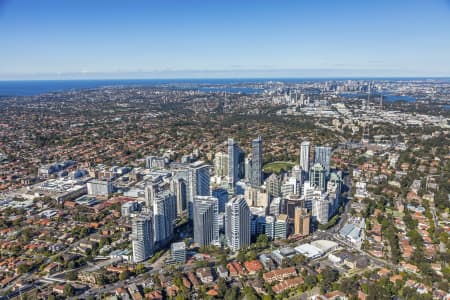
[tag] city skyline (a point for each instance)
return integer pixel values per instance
(122, 188)
(153, 39)
(260, 150)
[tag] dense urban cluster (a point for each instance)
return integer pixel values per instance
(277, 190)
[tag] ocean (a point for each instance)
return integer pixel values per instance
(36, 87)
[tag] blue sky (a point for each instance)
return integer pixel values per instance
(223, 38)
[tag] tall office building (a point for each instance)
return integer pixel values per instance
(233, 163)
(199, 181)
(273, 185)
(318, 176)
(205, 215)
(270, 227)
(241, 164)
(290, 204)
(256, 197)
(322, 155)
(221, 164)
(164, 215)
(237, 223)
(257, 160)
(248, 168)
(302, 221)
(305, 149)
(179, 187)
(150, 190)
(281, 227)
(275, 206)
(320, 207)
(142, 237)
(222, 195)
(334, 192)
(308, 192)
(258, 221)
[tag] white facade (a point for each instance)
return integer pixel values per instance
(142, 237)
(128, 208)
(305, 148)
(154, 162)
(322, 155)
(205, 215)
(164, 215)
(221, 164)
(99, 187)
(198, 183)
(320, 207)
(237, 223)
(274, 208)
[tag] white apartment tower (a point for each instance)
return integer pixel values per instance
(164, 215)
(142, 237)
(199, 183)
(237, 223)
(305, 148)
(205, 215)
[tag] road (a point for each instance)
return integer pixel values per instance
(344, 216)
(20, 291)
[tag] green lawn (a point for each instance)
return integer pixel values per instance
(277, 166)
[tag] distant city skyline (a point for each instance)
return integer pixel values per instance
(82, 39)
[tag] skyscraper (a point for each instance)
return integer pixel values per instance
(273, 185)
(317, 176)
(320, 207)
(241, 164)
(237, 223)
(164, 215)
(221, 164)
(302, 221)
(179, 188)
(233, 163)
(305, 148)
(248, 168)
(199, 181)
(205, 215)
(270, 227)
(257, 160)
(222, 195)
(142, 237)
(150, 190)
(322, 155)
(281, 227)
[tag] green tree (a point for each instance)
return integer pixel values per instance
(140, 268)
(328, 277)
(349, 286)
(310, 281)
(68, 290)
(232, 294)
(241, 256)
(71, 275)
(24, 268)
(124, 275)
(222, 287)
(250, 293)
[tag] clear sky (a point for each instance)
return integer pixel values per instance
(223, 38)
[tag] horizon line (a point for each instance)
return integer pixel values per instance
(234, 78)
